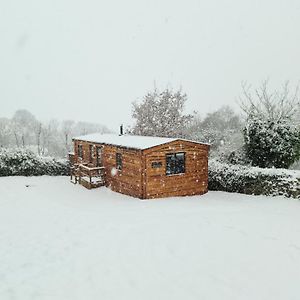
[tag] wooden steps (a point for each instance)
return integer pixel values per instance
(89, 177)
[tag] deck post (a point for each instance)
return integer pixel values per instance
(79, 179)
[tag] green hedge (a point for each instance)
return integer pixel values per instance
(253, 180)
(25, 163)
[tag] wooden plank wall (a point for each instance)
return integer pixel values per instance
(193, 182)
(137, 177)
(126, 181)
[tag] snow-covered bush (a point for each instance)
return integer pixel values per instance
(271, 143)
(235, 157)
(253, 180)
(25, 163)
(271, 132)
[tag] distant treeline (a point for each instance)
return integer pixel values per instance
(51, 138)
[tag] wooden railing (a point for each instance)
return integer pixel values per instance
(89, 177)
(94, 175)
(74, 173)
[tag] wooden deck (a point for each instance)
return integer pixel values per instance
(89, 177)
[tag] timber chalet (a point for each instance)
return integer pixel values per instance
(140, 166)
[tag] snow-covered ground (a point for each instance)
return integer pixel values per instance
(60, 241)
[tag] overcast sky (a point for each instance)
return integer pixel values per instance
(88, 60)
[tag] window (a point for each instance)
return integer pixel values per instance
(119, 161)
(99, 156)
(175, 163)
(80, 152)
(91, 152)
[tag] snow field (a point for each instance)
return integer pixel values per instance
(60, 241)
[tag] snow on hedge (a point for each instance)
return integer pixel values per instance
(253, 180)
(24, 162)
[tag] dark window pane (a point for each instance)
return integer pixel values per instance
(175, 163)
(180, 163)
(91, 148)
(99, 156)
(80, 152)
(119, 161)
(180, 156)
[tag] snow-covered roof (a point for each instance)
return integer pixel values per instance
(128, 141)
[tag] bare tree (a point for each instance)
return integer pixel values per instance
(23, 123)
(5, 132)
(52, 138)
(67, 127)
(274, 105)
(221, 128)
(38, 132)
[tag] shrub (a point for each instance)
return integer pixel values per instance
(237, 157)
(25, 163)
(253, 180)
(271, 143)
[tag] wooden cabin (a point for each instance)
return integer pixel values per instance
(141, 166)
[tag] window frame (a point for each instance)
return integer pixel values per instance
(119, 161)
(91, 153)
(80, 151)
(99, 153)
(175, 168)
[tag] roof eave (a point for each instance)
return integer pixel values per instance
(108, 144)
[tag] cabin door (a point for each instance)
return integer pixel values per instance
(99, 156)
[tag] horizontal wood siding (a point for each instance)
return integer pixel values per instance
(139, 179)
(126, 181)
(193, 182)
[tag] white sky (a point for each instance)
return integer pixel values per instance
(88, 60)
